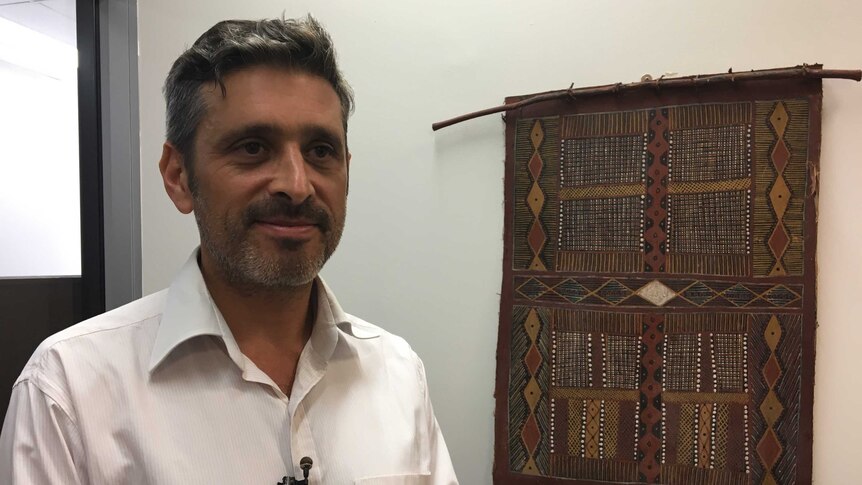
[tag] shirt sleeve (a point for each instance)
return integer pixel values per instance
(442, 471)
(40, 443)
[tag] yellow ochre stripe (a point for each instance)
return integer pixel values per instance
(708, 186)
(630, 190)
(602, 191)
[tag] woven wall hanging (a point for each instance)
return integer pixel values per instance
(658, 312)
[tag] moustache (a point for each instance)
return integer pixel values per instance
(275, 207)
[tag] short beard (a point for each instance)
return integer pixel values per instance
(239, 261)
(250, 272)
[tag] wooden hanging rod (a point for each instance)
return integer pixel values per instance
(813, 71)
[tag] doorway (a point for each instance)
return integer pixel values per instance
(51, 203)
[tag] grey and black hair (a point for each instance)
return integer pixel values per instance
(230, 45)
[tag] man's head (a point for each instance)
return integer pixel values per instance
(256, 147)
(231, 45)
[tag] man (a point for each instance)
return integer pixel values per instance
(246, 364)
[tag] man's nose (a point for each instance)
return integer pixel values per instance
(290, 176)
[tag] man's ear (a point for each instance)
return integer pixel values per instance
(176, 178)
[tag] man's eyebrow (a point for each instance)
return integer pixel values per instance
(269, 130)
(320, 132)
(263, 130)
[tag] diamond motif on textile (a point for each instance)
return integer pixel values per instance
(779, 119)
(772, 333)
(613, 292)
(739, 295)
(536, 264)
(530, 434)
(536, 238)
(772, 370)
(537, 134)
(532, 324)
(704, 440)
(532, 289)
(780, 156)
(779, 240)
(535, 166)
(530, 468)
(771, 408)
(571, 290)
(780, 296)
(533, 359)
(592, 429)
(656, 293)
(779, 195)
(769, 448)
(536, 199)
(532, 393)
(698, 293)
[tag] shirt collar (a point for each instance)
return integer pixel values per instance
(190, 312)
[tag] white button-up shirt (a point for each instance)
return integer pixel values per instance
(158, 392)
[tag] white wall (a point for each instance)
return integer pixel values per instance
(423, 246)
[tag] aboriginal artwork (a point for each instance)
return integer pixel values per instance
(658, 313)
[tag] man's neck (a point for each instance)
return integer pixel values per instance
(270, 327)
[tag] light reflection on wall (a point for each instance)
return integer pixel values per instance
(39, 185)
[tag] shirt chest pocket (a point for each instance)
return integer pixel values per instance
(410, 479)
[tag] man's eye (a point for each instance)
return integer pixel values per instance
(322, 151)
(252, 148)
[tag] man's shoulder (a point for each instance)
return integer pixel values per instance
(100, 337)
(379, 347)
(367, 331)
(379, 340)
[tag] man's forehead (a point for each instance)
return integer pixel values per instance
(271, 92)
(252, 78)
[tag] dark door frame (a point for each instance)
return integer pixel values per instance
(90, 149)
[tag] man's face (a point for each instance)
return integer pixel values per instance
(271, 170)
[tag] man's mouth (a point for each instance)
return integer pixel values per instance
(288, 228)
